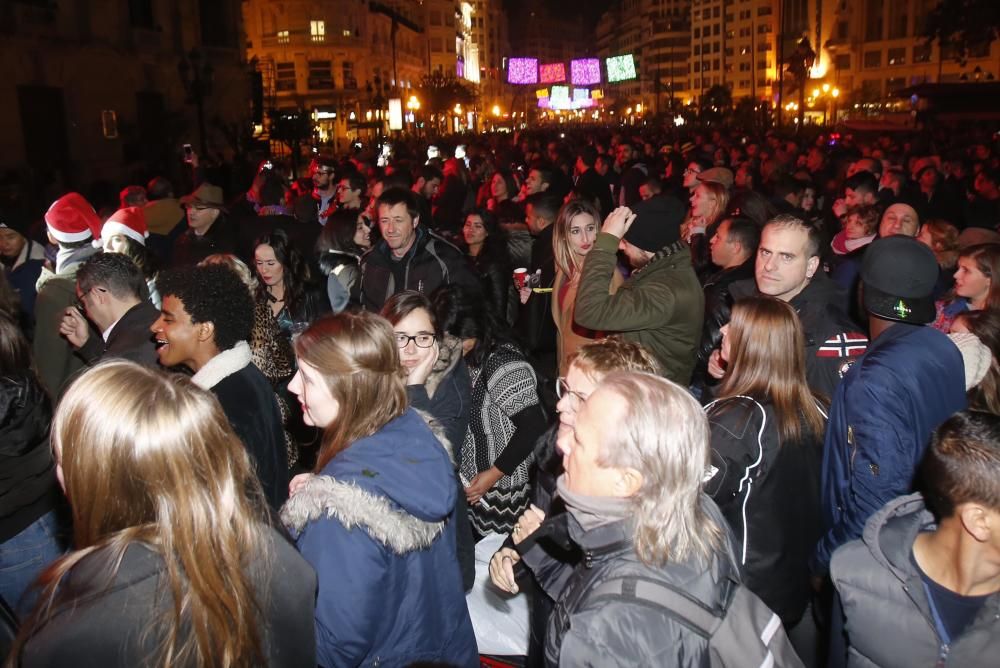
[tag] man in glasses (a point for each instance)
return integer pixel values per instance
(591, 364)
(110, 292)
(316, 206)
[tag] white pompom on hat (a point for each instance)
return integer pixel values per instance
(130, 221)
(976, 357)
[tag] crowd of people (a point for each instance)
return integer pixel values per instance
(701, 386)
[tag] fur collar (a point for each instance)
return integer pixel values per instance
(352, 506)
(223, 365)
(344, 501)
(450, 352)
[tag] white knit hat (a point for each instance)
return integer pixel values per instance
(975, 355)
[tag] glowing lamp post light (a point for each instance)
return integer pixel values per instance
(413, 106)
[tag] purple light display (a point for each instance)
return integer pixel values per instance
(522, 71)
(585, 71)
(552, 73)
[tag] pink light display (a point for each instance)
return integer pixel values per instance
(552, 72)
(522, 70)
(585, 71)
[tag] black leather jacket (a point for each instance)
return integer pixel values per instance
(718, 308)
(582, 627)
(28, 486)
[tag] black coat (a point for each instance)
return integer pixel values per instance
(769, 493)
(493, 269)
(117, 625)
(28, 487)
(535, 328)
(833, 340)
(130, 338)
(718, 309)
(190, 249)
(252, 409)
(430, 263)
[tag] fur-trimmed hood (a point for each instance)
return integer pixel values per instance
(449, 354)
(398, 485)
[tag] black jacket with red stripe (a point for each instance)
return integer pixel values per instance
(833, 340)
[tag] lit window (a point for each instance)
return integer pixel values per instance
(317, 29)
(282, 37)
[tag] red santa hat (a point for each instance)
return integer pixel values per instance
(130, 221)
(71, 219)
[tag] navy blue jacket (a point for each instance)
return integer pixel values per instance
(374, 526)
(909, 381)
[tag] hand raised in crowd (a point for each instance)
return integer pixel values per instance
(502, 569)
(839, 207)
(74, 327)
(482, 483)
(418, 374)
(618, 221)
(298, 482)
(716, 366)
(529, 520)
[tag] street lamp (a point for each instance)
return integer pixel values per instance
(413, 105)
(196, 77)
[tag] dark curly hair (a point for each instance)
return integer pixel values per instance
(296, 270)
(212, 293)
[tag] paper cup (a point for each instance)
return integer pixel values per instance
(520, 274)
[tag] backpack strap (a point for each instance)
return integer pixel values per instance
(694, 614)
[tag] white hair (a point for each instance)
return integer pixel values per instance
(662, 433)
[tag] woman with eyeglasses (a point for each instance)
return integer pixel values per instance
(505, 415)
(375, 519)
(437, 382)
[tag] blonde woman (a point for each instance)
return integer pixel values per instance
(175, 563)
(573, 237)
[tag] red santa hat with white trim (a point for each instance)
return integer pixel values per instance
(71, 219)
(130, 221)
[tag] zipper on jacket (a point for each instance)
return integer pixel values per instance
(588, 559)
(851, 442)
(943, 655)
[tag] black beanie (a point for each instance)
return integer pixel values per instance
(657, 223)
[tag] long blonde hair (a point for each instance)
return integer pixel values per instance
(150, 458)
(568, 262)
(663, 433)
(357, 357)
(767, 362)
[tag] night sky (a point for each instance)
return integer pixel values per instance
(591, 9)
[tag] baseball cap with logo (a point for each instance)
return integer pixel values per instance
(899, 274)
